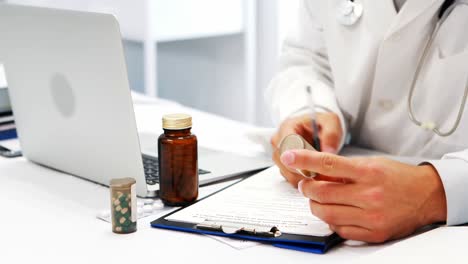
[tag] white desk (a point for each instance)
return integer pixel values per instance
(50, 217)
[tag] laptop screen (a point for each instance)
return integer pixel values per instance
(4, 99)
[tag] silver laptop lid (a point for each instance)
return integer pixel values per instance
(69, 90)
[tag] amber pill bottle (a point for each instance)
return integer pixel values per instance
(178, 161)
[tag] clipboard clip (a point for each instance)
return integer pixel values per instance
(238, 228)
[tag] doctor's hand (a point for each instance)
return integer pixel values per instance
(330, 134)
(370, 199)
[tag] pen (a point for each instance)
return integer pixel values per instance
(315, 137)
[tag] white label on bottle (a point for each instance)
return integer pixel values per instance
(134, 203)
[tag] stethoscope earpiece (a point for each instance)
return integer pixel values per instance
(349, 12)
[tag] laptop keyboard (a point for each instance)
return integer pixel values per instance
(151, 166)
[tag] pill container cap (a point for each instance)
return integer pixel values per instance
(122, 183)
(294, 141)
(176, 121)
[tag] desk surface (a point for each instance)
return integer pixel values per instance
(50, 216)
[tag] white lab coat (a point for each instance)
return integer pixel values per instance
(363, 73)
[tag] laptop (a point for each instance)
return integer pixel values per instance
(70, 95)
(4, 98)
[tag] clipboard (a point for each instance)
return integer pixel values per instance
(8, 134)
(260, 233)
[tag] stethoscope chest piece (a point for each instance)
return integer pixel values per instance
(349, 12)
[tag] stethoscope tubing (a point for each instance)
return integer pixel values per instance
(350, 11)
(431, 125)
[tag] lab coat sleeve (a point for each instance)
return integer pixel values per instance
(453, 171)
(304, 62)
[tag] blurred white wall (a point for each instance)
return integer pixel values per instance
(267, 55)
(276, 18)
(287, 17)
(225, 72)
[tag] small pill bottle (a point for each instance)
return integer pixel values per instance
(123, 205)
(178, 161)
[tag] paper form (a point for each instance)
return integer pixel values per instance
(265, 199)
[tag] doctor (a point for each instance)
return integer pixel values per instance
(393, 74)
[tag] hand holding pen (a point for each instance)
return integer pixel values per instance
(329, 134)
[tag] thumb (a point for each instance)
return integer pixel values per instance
(322, 163)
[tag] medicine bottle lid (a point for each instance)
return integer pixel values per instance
(122, 183)
(176, 121)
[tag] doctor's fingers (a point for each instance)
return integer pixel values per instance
(289, 175)
(294, 125)
(338, 215)
(325, 192)
(275, 139)
(358, 233)
(326, 164)
(280, 134)
(330, 132)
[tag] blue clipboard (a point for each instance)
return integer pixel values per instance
(8, 134)
(310, 244)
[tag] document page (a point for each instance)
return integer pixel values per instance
(265, 199)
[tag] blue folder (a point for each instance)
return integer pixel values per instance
(310, 244)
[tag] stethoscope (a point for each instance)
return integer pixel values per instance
(349, 12)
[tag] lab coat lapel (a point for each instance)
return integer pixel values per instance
(411, 10)
(382, 16)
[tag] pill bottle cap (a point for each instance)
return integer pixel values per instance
(176, 121)
(292, 142)
(122, 183)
